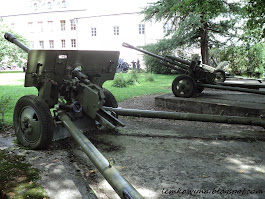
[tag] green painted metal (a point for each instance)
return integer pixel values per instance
(192, 68)
(11, 38)
(189, 116)
(122, 187)
(72, 80)
(231, 88)
(30, 127)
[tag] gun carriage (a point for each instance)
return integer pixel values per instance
(194, 77)
(71, 100)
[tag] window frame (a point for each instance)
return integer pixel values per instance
(93, 31)
(51, 43)
(116, 30)
(141, 29)
(63, 25)
(73, 43)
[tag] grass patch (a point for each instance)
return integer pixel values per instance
(17, 178)
(15, 92)
(161, 84)
(149, 78)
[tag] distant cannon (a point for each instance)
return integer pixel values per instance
(194, 76)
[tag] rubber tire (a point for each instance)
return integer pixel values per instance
(222, 73)
(191, 82)
(199, 89)
(43, 114)
(125, 67)
(110, 100)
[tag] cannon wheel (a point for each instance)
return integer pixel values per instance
(33, 122)
(199, 89)
(125, 67)
(220, 75)
(110, 100)
(184, 86)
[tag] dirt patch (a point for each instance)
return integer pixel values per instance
(12, 78)
(180, 159)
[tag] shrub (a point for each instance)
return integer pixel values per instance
(119, 82)
(149, 78)
(133, 78)
(153, 64)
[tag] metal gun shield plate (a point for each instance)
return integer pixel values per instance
(99, 65)
(47, 70)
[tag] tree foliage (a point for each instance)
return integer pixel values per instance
(242, 59)
(154, 65)
(195, 22)
(256, 17)
(9, 52)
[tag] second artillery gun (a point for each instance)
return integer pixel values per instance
(194, 77)
(185, 85)
(71, 99)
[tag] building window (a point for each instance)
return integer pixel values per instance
(41, 44)
(40, 23)
(12, 25)
(166, 28)
(116, 30)
(50, 25)
(73, 24)
(32, 44)
(62, 25)
(141, 29)
(93, 32)
(73, 43)
(49, 5)
(64, 4)
(35, 6)
(63, 43)
(30, 26)
(51, 42)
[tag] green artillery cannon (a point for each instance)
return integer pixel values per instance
(69, 84)
(194, 76)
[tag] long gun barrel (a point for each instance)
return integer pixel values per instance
(122, 187)
(11, 38)
(169, 61)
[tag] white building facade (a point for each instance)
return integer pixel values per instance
(77, 24)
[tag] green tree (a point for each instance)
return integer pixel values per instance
(9, 50)
(242, 59)
(154, 65)
(255, 13)
(195, 22)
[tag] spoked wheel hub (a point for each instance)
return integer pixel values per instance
(183, 86)
(33, 122)
(220, 76)
(30, 124)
